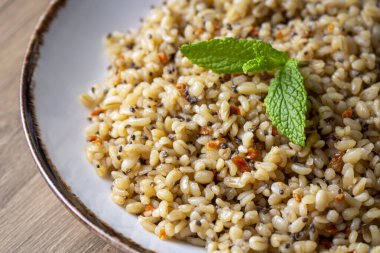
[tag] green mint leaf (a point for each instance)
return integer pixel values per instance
(286, 103)
(229, 55)
(268, 59)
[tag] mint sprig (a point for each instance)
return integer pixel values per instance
(231, 55)
(286, 102)
(286, 99)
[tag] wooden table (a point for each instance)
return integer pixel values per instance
(31, 218)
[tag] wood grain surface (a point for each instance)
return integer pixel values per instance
(31, 218)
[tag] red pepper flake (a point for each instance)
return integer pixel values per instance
(95, 139)
(163, 58)
(279, 35)
(337, 161)
(297, 196)
(331, 229)
(347, 113)
(253, 31)
(241, 163)
(162, 234)
(198, 31)
(214, 144)
(149, 207)
(181, 88)
(120, 56)
(97, 111)
(216, 25)
(92, 138)
(325, 243)
(339, 197)
(215, 175)
(274, 131)
(252, 154)
(207, 130)
(234, 110)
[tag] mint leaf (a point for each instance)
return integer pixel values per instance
(286, 103)
(268, 59)
(230, 55)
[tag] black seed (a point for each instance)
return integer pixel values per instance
(164, 154)
(93, 89)
(198, 223)
(192, 100)
(171, 69)
(132, 109)
(234, 88)
(98, 166)
(118, 157)
(287, 245)
(281, 191)
(305, 219)
(364, 126)
(120, 149)
(109, 35)
(133, 137)
(294, 158)
(229, 26)
(150, 36)
(224, 146)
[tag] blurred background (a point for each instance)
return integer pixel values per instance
(31, 218)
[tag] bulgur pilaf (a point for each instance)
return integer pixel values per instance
(193, 153)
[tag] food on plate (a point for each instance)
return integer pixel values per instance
(245, 125)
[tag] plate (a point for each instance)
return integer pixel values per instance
(65, 57)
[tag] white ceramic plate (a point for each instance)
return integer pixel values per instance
(65, 57)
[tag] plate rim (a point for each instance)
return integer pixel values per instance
(40, 155)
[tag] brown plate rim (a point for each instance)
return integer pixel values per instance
(38, 150)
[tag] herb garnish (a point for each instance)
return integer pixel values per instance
(286, 99)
